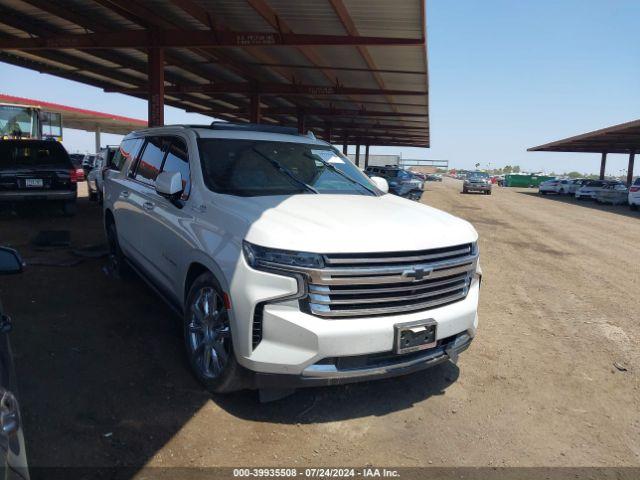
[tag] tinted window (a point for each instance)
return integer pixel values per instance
(251, 168)
(126, 151)
(178, 161)
(151, 161)
(637, 182)
(29, 153)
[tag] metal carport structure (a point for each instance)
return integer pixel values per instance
(355, 70)
(623, 138)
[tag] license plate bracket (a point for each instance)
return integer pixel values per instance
(414, 336)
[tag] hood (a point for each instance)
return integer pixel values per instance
(343, 223)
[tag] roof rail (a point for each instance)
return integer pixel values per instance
(254, 127)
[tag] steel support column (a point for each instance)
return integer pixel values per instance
(632, 157)
(97, 138)
(345, 146)
(603, 165)
(366, 156)
(328, 133)
(255, 116)
(156, 87)
(358, 153)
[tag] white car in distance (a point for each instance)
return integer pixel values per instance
(634, 194)
(549, 186)
(287, 265)
(590, 189)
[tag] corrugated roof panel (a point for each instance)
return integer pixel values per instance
(315, 18)
(384, 18)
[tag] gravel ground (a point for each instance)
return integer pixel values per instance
(103, 380)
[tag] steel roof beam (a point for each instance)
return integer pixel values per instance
(192, 38)
(274, 89)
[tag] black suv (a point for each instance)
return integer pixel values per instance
(38, 170)
(401, 182)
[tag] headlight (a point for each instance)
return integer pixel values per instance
(262, 258)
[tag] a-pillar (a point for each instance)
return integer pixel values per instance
(97, 138)
(255, 109)
(156, 87)
(358, 154)
(632, 157)
(603, 165)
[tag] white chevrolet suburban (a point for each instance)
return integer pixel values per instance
(288, 265)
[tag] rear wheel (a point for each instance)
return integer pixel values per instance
(633, 207)
(207, 335)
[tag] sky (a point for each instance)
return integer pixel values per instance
(504, 75)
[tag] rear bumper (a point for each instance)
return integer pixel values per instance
(26, 196)
(388, 366)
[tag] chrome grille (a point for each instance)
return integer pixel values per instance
(355, 285)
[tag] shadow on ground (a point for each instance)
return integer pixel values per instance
(103, 380)
(618, 209)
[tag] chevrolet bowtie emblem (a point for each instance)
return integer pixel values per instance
(417, 273)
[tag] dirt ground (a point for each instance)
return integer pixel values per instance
(103, 380)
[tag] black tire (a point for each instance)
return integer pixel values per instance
(464, 190)
(117, 260)
(93, 196)
(488, 192)
(543, 193)
(69, 208)
(633, 207)
(100, 197)
(207, 337)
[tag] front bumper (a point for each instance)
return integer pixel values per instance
(292, 341)
(372, 367)
(477, 187)
(46, 195)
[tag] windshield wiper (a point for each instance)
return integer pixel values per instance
(282, 169)
(339, 172)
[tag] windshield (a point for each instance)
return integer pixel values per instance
(17, 121)
(256, 168)
(478, 176)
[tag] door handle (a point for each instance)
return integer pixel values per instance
(125, 194)
(148, 205)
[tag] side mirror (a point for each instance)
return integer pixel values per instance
(10, 261)
(381, 183)
(169, 184)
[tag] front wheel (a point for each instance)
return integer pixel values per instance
(207, 335)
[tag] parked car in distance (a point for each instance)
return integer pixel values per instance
(549, 186)
(434, 177)
(271, 245)
(634, 194)
(95, 179)
(13, 457)
(613, 193)
(477, 182)
(38, 170)
(590, 189)
(401, 182)
(88, 161)
(574, 186)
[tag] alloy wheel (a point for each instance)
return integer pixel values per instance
(208, 333)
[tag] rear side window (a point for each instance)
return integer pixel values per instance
(150, 161)
(178, 161)
(127, 151)
(32, 153)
